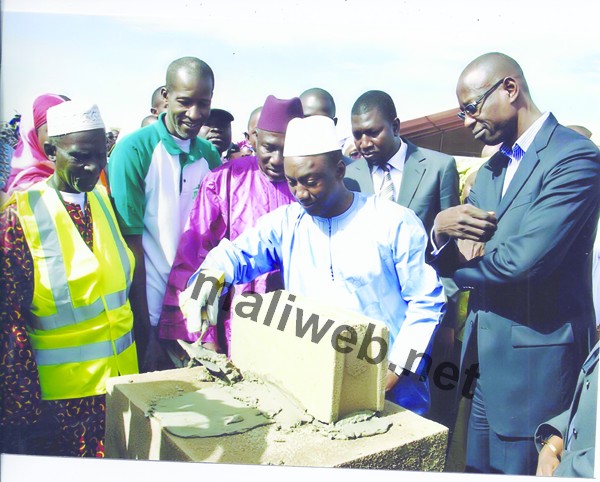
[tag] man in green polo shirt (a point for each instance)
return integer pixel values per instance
(154, 176)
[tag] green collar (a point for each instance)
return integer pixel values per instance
(197, 145)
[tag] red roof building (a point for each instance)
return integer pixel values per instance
(443, 132)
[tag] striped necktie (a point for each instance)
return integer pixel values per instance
(515, 153)
(387, 186)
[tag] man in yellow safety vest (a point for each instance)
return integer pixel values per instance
(65, 320)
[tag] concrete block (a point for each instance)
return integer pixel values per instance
(330, 361)
(412, 442)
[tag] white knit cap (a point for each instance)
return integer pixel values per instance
(73, 116)
(310, 136)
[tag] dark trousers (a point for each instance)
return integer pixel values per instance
(491, 453)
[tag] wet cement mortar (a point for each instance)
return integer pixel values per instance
(236, 404)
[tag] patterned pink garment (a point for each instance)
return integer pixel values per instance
(231, 198)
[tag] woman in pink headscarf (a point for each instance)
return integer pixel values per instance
(29, 163)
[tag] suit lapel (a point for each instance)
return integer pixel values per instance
(528, 164)
(497, 165)
(412, 175)
(524, 171)
(363, 176)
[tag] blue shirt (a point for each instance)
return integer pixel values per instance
(370, 259)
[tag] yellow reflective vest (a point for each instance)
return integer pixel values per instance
(81, 328)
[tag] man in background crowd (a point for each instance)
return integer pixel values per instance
(232, 198)
(158, 105)
(251, 133)
(317, 101)
(154, 175)
(217, 130)
(420, 179)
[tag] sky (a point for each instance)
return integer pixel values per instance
(115, 52)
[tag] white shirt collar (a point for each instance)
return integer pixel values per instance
(397, 161)
(525, 140)
(184, 144)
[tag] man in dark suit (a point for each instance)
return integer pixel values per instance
(567, 442)
(523, 248)
(420, 179)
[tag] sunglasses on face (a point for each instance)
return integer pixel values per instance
(471, 109)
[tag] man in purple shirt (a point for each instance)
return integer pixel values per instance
(231, 199)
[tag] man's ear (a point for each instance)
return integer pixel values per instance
(396, 127)
(50, 151)
(511, 86)
(164, 93)
(340, 169)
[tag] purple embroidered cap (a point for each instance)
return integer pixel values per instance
(276, 113)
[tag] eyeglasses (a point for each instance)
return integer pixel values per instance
(471, 109)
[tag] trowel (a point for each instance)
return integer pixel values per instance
(206, 358)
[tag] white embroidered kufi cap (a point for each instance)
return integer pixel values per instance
(73, 116)
(310, 136)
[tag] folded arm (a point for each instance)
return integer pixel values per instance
(550, 225)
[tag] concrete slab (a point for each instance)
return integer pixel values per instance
(412, 442)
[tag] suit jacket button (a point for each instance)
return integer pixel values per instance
(574, 433)
(587, 384)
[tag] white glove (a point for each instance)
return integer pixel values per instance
(202, 310)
